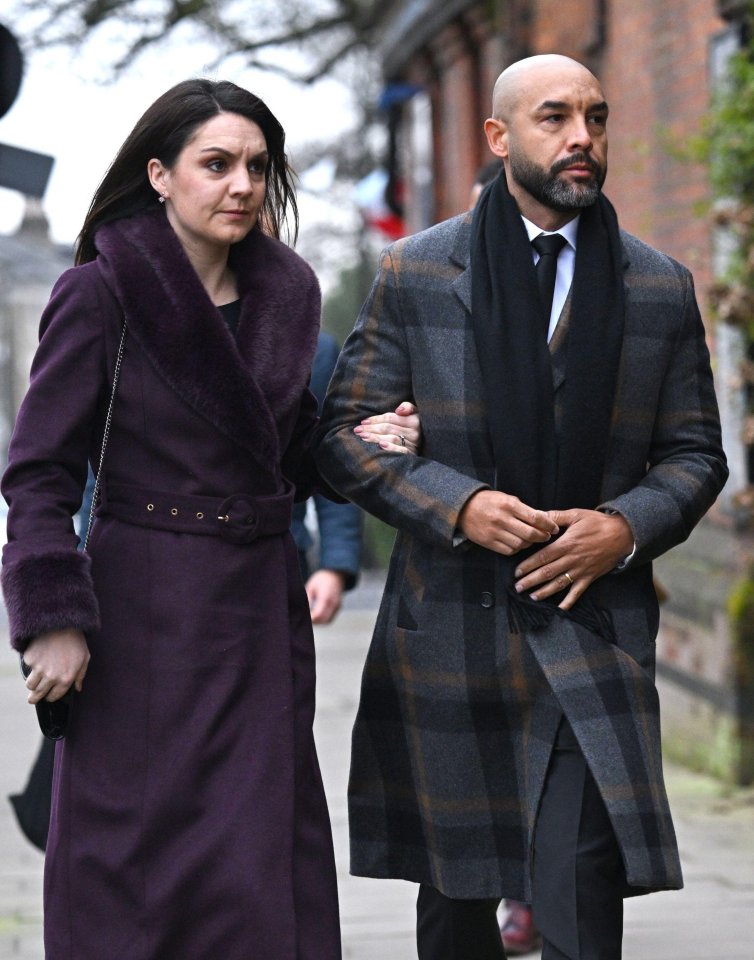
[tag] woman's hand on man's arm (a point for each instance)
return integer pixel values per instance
(398, 432)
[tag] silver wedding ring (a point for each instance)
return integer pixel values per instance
(569, 578)
(403, 440)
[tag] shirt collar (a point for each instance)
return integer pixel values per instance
(568, 230)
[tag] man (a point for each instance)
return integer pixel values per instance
(507, 742)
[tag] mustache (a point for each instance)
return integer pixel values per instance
(576, 158)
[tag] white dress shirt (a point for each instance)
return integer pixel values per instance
(566, 265)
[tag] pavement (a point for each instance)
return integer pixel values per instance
(713, 917)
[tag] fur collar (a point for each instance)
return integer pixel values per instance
(240, 386)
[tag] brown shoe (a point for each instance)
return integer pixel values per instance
(519, 934)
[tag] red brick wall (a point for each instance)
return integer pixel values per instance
(654, 72)
(458, 100)
(571, 27)
(459, 70)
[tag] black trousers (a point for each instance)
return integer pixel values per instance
(578, 880)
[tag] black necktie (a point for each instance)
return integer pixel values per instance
(548, 247)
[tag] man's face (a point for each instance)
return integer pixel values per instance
(548, 188)
(554, 142)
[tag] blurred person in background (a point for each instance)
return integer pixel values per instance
(338, 525)
(484, 175)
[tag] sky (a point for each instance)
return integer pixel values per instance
(65, 109)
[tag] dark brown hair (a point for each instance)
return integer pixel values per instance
(162, 132)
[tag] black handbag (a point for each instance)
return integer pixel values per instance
(33, 805)
(54, 716)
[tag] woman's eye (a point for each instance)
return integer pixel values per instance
(258, 167)
(216, 165)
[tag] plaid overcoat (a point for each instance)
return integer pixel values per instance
(458, 713)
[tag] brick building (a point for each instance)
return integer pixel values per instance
(658, 61)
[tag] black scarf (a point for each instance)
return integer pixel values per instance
(544, 470)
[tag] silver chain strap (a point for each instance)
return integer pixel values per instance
(106, 434)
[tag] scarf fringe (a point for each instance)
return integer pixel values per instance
(525, 614)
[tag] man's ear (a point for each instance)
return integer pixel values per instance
(496, 132)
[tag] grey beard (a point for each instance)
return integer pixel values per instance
(564, 196)
(549, 190)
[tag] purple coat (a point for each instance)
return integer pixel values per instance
(189, 818)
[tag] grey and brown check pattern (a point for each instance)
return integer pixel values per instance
(458, 714)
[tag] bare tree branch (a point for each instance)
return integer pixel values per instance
(296, 35)
(325, 31)
(327, 65)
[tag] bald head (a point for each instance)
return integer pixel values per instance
(514, 81)
(549, 127)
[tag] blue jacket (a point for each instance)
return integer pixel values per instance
(339, 524)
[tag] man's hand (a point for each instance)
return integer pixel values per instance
(398, 432)
(503, 523)
(58, 660)
(324, 588)
(591, 546)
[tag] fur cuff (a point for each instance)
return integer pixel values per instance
(51, 591)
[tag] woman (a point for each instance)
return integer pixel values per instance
(188, 817)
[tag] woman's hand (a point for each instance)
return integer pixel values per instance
(398, 432)
(58, 660)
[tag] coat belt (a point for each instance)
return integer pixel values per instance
(239, 518)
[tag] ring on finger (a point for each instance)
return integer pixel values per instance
(569, 578)
(403, 440)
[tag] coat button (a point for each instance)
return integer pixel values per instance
(487, 600)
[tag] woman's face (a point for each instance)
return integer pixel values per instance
(215, 190)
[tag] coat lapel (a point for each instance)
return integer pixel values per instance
(487, 338)
(242, 386)
(460, 255)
